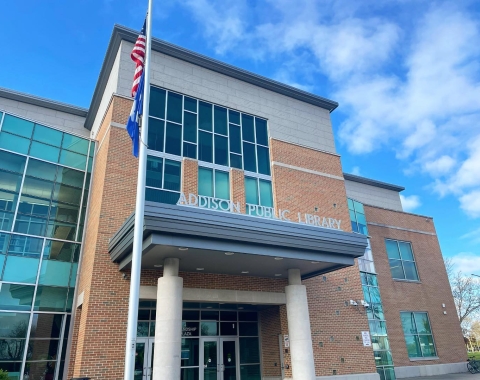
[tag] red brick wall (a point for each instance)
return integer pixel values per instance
(304, 192)
(237, 188)
(270, 329)
(99, 339)
(428, 295)
(189, 176)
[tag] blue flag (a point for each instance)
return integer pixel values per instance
(134, 118)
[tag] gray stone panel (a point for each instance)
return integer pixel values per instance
(373, 196)
(46, 116)
(110, 89)
(289, 119)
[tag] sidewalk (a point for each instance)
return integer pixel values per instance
(452, 376)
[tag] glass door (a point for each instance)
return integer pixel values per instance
(209, 359)
(228, 364)
(144, 359)
(149, 359)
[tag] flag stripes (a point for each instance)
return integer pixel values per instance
(138, 56)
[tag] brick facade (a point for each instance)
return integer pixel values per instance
(427, 295)
(304, 181)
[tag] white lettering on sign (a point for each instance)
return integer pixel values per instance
(218, 204)
(367, 342)
(187, 331)
(286, 341)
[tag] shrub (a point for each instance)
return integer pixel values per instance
(3, 375)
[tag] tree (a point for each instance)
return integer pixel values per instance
(466, 294)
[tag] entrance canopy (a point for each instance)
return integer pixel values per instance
(229, 243)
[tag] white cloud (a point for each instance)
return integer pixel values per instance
(355, 170)
(222, 21)
(439, 166)
(467, 263)
(470, 203)
(410, 203)
(411, 84)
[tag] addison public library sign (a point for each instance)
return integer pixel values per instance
(211, 203)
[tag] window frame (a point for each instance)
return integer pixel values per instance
(354, 210)
(258, 179)
(164, 157)
(414, 261)
(423, 357)
(214, 173)
(213, 133)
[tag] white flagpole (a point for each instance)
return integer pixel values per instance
(139, 213)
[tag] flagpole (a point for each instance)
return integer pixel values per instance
(139, 213)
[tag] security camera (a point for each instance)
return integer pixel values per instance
(365, 304)
(353, 303)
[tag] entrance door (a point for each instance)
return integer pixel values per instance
(219, 358)
(144, 359)
(228, 359)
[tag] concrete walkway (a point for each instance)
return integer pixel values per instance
(453, 376)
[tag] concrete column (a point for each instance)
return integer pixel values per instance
(168, 326)
(300, 335)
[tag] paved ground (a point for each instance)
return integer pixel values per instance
(453, 376)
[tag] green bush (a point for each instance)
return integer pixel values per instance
(3, 375)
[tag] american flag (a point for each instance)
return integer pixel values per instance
(138, 56)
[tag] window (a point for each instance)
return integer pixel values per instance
(357, 217)
(402, 262)
(365, 263)
(187, 127)
(163, 180)
(213, 183)
(258, 192)
(378, 327)
(418, 334)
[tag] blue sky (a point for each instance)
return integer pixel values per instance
(406, 74)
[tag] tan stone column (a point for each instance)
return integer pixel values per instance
(168, 324)
(300, 335)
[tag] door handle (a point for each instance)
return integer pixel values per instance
(222, 367)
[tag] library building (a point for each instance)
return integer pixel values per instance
(262, 259)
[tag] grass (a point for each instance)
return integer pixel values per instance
(476, 355)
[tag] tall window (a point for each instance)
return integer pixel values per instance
(357, 217)
(378, 327)
(213, 183)
(418, 334)
(402, 261)
(184, 126)
(163, 180)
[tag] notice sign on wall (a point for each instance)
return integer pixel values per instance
(366, 339)
(286, 341)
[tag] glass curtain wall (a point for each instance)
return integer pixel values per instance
(371, 294)
(44, 184)
(218, 137)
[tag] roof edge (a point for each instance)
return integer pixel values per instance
(372, 182)
(42, 102)
(123, 33)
